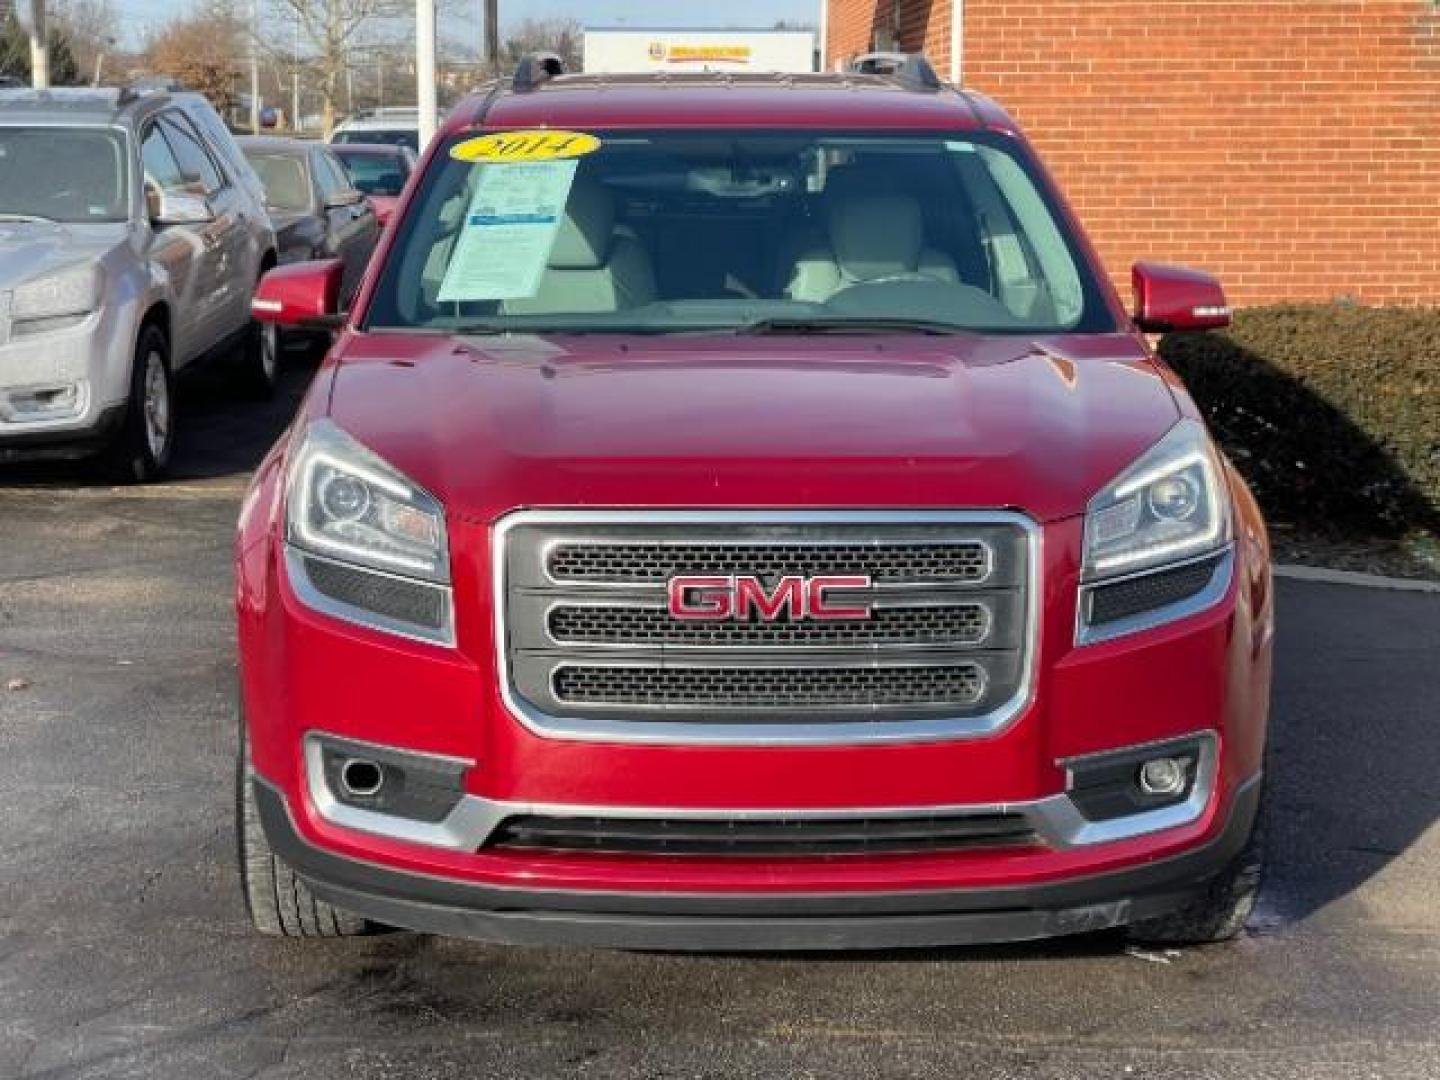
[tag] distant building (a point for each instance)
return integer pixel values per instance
(1287, 145)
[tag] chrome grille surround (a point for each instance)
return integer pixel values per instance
(526, 594)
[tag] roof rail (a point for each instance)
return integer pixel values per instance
(536, 68)
(142, 87)
(911, 70)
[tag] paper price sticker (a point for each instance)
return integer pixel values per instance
(508, 146)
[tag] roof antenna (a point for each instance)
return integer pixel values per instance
(910, 70)
(536, 69)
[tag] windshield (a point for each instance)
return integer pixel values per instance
(63, 174)
(374, 174)
(383, 136)
(667, 232)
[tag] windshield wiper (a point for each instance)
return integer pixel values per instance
(863, 325)
(35, 219)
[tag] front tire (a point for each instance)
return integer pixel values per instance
(141, 452)
(279, 903)
(260, 360)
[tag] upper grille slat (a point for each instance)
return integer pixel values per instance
(615, 563)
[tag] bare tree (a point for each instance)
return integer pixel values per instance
(92, 27)
(329, 31)
(203, 52)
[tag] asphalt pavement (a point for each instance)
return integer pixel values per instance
(125, 952)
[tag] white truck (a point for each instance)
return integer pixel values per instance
(627, 49)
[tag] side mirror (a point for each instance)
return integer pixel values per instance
(1177, 298)
(304, 294)
(177, 207)
(347, 197)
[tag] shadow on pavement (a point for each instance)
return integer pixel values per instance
(221, 432)
(1355, 748)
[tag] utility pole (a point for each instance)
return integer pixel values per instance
(105, 43)
(425, 69)
(33, 20)
(295, 80)
(492, 37)
(254, 67)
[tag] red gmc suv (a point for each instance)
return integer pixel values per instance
(737, 513)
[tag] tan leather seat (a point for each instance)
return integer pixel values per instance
(873, 236)
(595, 265)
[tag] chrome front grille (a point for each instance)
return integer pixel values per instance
(589, 648)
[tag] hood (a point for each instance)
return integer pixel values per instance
(492, 424)
(30, 249)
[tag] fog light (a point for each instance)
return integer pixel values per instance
(1163, 776)
(43, 402)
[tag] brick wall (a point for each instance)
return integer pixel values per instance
(1290, 146)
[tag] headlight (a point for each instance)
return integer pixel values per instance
(71, 293)
(1168, 506)
(366, 544)
(1157, 540)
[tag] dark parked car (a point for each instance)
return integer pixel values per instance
(317, 210)
(379, 171)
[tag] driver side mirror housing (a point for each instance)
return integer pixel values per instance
(1169, 298)
(302, 294)
(177, 207)
(345, 197)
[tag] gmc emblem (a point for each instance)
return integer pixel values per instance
(742, 597)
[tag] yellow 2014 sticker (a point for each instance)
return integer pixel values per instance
(507, 146)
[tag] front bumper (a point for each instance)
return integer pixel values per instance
(96, 356)
(759, 921)
(67, 443)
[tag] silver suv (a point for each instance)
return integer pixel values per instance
(132, 232)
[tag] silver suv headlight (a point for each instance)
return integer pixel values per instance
(56, 300)
(1157, 538)
(363, 542)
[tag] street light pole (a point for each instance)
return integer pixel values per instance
(255, 67)
(39, 46)
(425, 68)
(492, 37)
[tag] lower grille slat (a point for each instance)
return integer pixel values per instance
(770, 687)
(738, 837)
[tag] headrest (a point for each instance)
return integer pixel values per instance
(587, 230)
(870, 175)
(874, 236)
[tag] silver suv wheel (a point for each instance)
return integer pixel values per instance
(156, 405)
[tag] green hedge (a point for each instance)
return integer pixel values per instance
(1332, 412)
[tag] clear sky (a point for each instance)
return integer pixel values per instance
(139, 16)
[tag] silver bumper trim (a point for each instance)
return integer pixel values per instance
(1055, 818)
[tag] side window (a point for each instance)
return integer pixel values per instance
(161, 167)
(201, 173)
(330, 176)
(221, 142)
